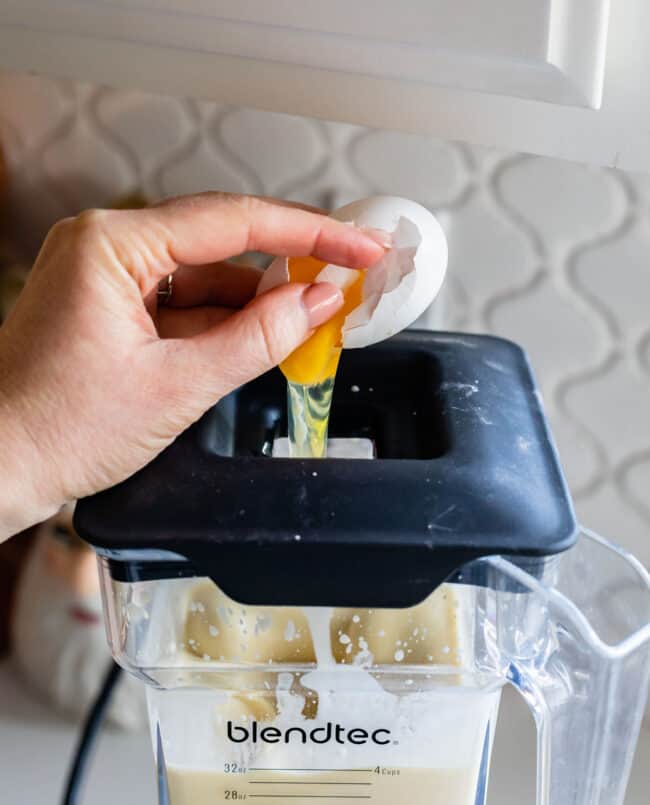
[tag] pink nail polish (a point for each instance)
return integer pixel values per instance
(321, 301)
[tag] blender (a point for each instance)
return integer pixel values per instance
(342, 628)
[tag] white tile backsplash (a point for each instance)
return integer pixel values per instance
(554, 255)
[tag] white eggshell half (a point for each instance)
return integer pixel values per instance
(402, 285)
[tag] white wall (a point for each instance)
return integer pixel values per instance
(551, 254)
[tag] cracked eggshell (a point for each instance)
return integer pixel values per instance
(402, 285)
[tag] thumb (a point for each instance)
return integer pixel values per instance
(258, 337)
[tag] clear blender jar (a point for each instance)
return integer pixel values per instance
(341, 629)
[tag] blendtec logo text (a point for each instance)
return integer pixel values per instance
(329, 733)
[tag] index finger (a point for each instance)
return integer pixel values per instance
(209, 227)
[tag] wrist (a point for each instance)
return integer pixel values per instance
(26, 493)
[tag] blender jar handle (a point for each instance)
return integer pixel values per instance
(576, 643)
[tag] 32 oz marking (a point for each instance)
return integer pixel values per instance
(234, 768)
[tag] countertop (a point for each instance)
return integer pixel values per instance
(35, 747)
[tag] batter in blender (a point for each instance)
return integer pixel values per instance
(334, 731)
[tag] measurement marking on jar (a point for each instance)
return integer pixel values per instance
(302, 782)
(305, 783)
(322, 771)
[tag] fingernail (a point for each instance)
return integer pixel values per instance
(321, 301)
(381, 237)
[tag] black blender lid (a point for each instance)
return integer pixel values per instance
(466, 467)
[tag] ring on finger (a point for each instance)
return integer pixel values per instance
(165, 290)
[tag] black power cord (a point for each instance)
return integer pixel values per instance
(88, 737)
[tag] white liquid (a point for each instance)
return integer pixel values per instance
(319, 619)
(334, 683)
(434, 735)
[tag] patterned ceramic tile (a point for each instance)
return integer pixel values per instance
(617, 277)
(427, 170)
(33, 106)
(558, 336)
(86, 166)
(284, 152)
(614, 405)
(488, 254)
(617, 520)
(36, 205)
(149, 128)
(641, 187)
(564, 203)
(551, 254)
(456, 304)
(199, 167)
(643, 353)
(635, 482)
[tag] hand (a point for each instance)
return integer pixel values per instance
(96, 379)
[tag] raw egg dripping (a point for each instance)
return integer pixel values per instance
(318, 357)
(377, 304)
(310, 369)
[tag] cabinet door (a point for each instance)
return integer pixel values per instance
(551, 76)
(543, 49)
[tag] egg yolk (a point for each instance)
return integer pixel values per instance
(317, 358)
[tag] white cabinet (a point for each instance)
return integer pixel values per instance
(563, 77)
(542, 49)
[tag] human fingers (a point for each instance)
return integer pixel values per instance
(226, 284)
(188, 322)
(206, 228)
(253, 340)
